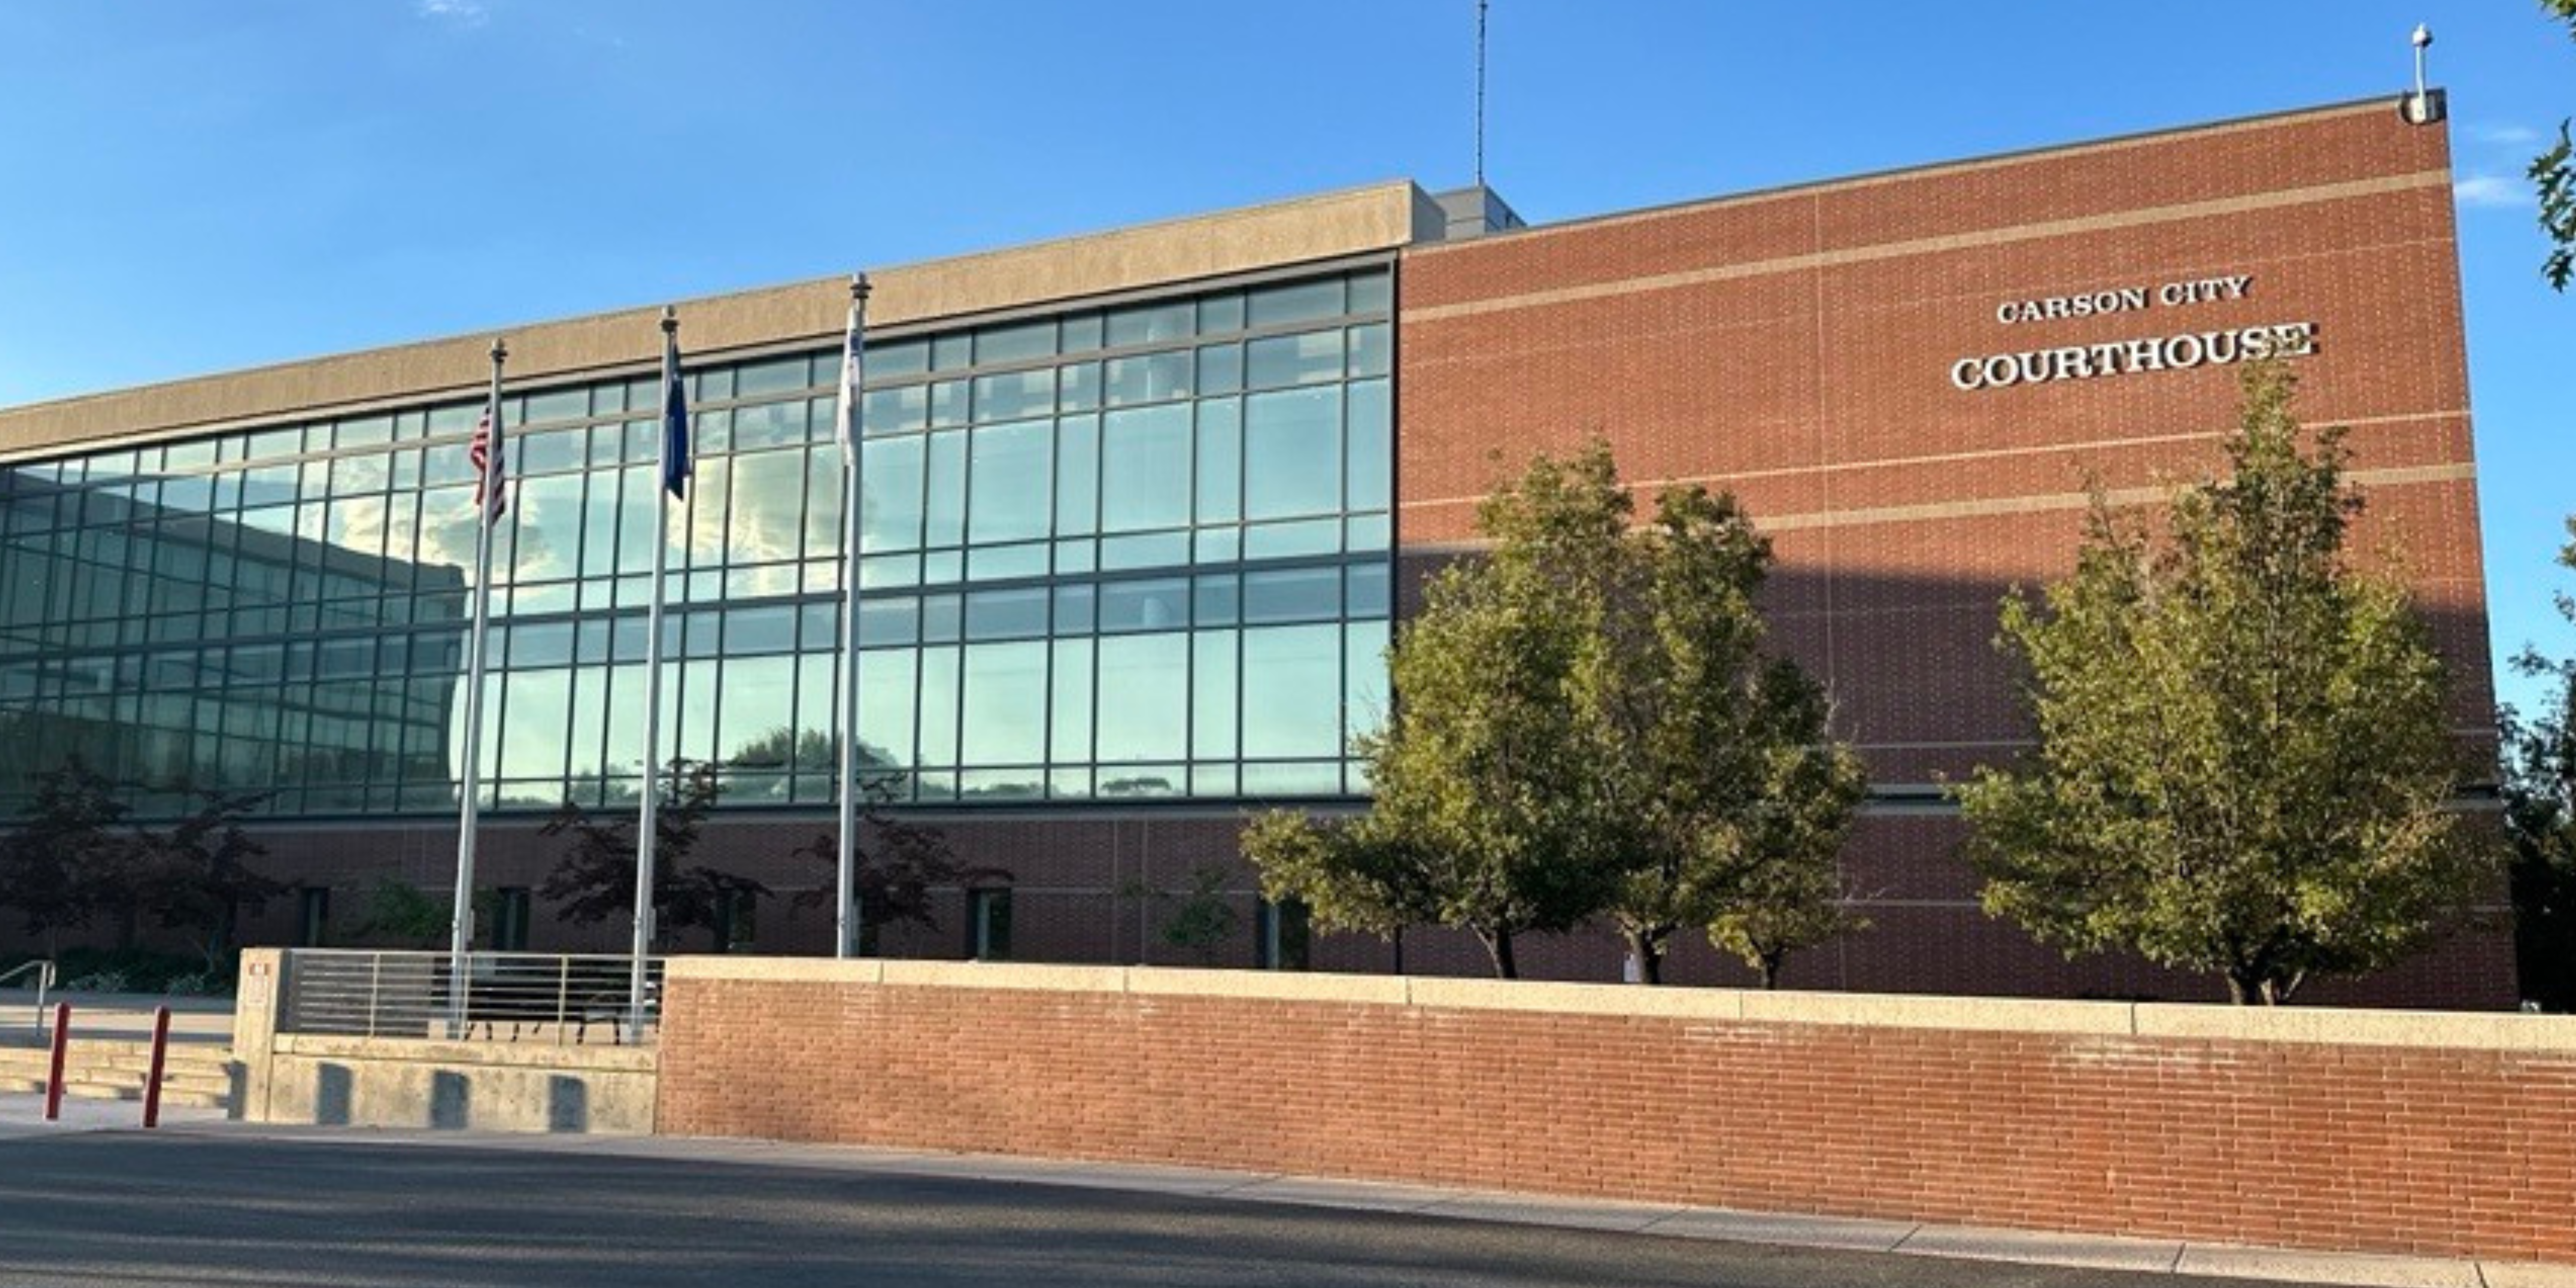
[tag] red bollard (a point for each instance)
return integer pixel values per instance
(62, 1047)
(152, 1081)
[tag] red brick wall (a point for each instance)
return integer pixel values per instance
(1076, 876)
(1076, 883)
(1795, 348)
(2399, 1149)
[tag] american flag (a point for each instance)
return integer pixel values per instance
(491, 490)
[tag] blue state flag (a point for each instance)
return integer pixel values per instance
(676, 465)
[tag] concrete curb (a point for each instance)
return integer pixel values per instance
(2148, 1021)
(2027, 1247)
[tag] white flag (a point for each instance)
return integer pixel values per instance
(846, 429)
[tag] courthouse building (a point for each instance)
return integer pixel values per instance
(1141, 507)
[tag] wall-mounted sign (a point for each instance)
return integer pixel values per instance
(2180, 351)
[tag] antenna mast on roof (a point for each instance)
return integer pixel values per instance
(2422, 107)
(1480, 93)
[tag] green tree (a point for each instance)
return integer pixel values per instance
(1197, 919)
(2540, 814)
(2243, 765)
(1479, 775)
(1588, 723)
(1790, 895)
(2554, 173)
(72, 845)
(899, 864)
(200, 879)
(594, 881)
(2540, 777)
(1714, 773)
(1353, 878)
(406, 915)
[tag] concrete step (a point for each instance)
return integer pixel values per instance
(192, 1068)
(209, 1075)
(137, 1058)
(202, 1078)
(198, 1097)
(91, 1073)
(195, 1074)
(19, 1033)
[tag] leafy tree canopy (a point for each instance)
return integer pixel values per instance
(72, 840)
(594, 881)
(1587, 723)
(200, 877)
(900, 863)
(76, 857)
(2540, 813)
(2554, 173)
(1720, 781)
(2243, 765)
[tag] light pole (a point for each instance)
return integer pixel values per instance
(2419, 109)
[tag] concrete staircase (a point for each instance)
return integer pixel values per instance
(196, 1074)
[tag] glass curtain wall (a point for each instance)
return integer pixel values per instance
(1132, 552)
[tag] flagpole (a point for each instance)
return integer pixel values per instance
(674, 402)
(460, 933)
(847, 926)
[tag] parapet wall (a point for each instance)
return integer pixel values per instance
(2377, 1131)
(541, 1085)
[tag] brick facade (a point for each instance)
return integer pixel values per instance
(2395, 1134)
(1796, 348)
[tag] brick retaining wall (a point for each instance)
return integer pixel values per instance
(2389, 1132)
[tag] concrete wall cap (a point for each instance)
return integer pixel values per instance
(801, 970)
(506, 1055)
(1900, 1011)
(1576, 999)
(1015, 976)
(2460, 1030)
(2457, 1030)
(1283, 986)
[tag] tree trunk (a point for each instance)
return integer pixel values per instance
(1399, 950)
(2255, 986)
(1498, 945)
(1647, 946)
(1770, 968)
(220, 942)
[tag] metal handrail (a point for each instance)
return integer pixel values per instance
(45, 977)
(506, 997)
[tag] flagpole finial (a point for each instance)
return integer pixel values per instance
(670, 319)
(859, 287)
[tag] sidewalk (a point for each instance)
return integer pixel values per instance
(1661, 1220)
(24, 1115)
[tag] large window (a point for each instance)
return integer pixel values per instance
(1126, 552)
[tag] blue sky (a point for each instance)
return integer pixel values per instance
(188, 188)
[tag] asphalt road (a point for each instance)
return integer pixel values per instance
(129, 1209)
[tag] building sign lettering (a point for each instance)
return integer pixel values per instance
(2174, 352)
